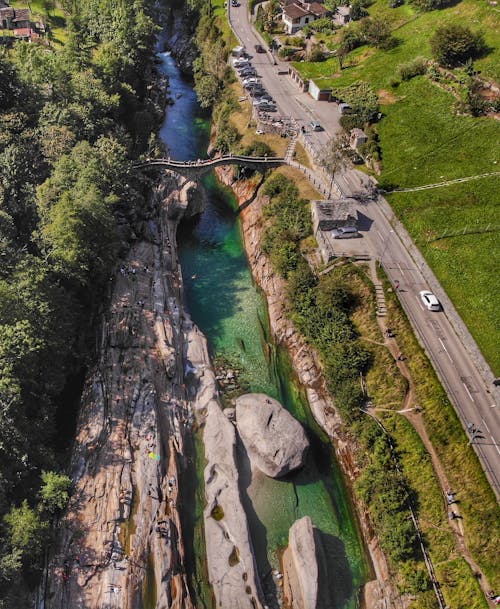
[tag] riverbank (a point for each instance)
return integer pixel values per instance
(380, 592)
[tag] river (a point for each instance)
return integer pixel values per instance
(227, 306)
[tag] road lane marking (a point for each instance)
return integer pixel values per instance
(496, 445)
(381, 238)
(402, 272)
(484, 423)
(446, 350)
(419, 303)
(469, 393)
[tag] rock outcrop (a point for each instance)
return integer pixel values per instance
(275, 442)
(122, 535)
(230, 558)
(304, 568)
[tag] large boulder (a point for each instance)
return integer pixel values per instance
(275, 442)
(305, 581)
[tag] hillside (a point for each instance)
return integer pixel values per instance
(423, 140)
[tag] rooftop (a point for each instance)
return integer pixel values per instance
(336, 209)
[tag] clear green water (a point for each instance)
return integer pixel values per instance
(229, 309)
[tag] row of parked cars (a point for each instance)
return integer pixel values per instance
(251, 82)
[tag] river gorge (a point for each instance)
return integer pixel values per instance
(168, 509)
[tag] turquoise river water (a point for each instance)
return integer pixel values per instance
(225, 303)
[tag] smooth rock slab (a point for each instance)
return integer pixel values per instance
(275, 442)
(304, 568)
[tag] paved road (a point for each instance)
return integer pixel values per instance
(476, 400)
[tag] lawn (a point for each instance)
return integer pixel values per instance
(220, 12)
(423, 141)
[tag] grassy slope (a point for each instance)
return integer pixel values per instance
(422, 140)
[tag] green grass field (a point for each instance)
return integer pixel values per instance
(424, 142)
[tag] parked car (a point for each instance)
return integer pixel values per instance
(235, 3)
(257, 91)
(430, 301)
(344, 108)
(345, 232)
(267, 107)
(315, 126)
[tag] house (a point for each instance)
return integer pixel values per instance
(299, 14)
(335, 213)
(6, 17)
(342, 15)
(21, 18)
(14, 18)
(357, 138)
(326, 216)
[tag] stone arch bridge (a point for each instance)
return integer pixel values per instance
(196, 169)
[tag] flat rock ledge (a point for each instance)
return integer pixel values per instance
(303, 562)
(230, 559)
(275, 442)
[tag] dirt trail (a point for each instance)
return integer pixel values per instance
(411, 412)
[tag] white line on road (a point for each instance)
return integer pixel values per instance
(402, 273)
(484, 423)
(449, 356)
(381, 238)
(419, 303)
(468, 392)
(496, 445)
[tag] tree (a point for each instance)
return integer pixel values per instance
(377, 32)
(26, 534)
(454, 44)
(333, 156)
(55, 491)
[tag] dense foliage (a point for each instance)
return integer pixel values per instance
(210, 67)
(71, 119)
(321, 309)
(454, 44)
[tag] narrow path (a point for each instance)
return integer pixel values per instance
(446, 183)
(411, 412)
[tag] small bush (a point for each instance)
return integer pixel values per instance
(234, 557)
(217, 512)
(416, 67)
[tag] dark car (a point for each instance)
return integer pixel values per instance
(259, 48)
(235, 3)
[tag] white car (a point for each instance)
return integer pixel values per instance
(430, 301)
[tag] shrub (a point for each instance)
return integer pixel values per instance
(430, 5)
(454, 44)
(416, 67)
(316, 53)
(256, 148)
(217, 512)
(357, 10)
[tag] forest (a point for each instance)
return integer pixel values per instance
(72, 119)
